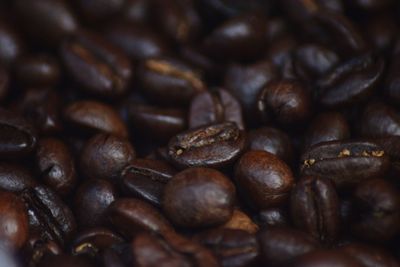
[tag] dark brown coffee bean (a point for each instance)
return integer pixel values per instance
(137, 11)
(170, 251)
(345, 162)
(246, 81)
(110, 258)
(371, 5)
(242, 37)
(91, 200)
(240, 221)
(11, 44)
(280, 245)
(4, 82)
(280, 54)
(330, 126)
(216, 146)
(96, 65)
(137, 41)
(156, 122)
(37, 70)
(288, 102)
(48, 215)
(17, 137)
(169, 81)
(314, 206)
(272, 140)
(215, 106)
(13, 220)
(46, 20)
(350, 82)
(64, 260)
(273, 217)
(380, 120)
(90, 242)
(93, 117)
(233, 248)
(263, 179)
(35, 249)
(146, 179)
(105, 156)
(323, 258)
(392, 88)
(376, 210)
(382, 32)
(56, 165)
(229, 8)
(15, 177)
(131, 216)
(199, 197)
(97, 10)
(370, 256)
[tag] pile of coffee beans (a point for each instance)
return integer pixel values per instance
(199, 133)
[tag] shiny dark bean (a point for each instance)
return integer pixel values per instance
(314, 206)
(215, 106)
(199, 197)
(56, 165)
(233, 248)
(273, 217)
(280, 245)
(216, 146)
(392, 88)
(376, 210)
(96, 65)
(382, 32)
(91, 201)
(263, 179)
(137, 11)
(104, 156)
(169, 81)
(380, 120)
(35, 249)
(345, 162)
(146, 179)
(370, 256)
(11, 44)
(15, 177)
(93, 117)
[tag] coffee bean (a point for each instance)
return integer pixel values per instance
(324, 258)
(369, 256)
(65, 260)
(199, 197)
(241, 221)
(4, 82)
(273, 217)
(11, 44)
(216, 146)
(35, 249)
(379, 120)
(95, 10)
(15, 177)
(263, 179)
(346, 163)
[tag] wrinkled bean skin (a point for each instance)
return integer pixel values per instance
(346, 163)
(317, 198)
(265, 180)
(215, 146)
(199, 197)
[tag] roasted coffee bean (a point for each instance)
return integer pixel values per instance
(350, 82)
(110, 258)
(272, 140)
(392, 88)
(215, 106)
(56, 165)
(131, 216)
(330, 126)
(169, 81)
(301, 11)
(96, 65)
(13, 220)
(64, 260)
(280, 245)
(263, 179)
(146, 179)
(382, 32)
(228, 8)
(273, 217)
(371, 4)
(323, 258)
(137, 41)
(11, 44)
(314, 206)
(159, 123)
(170, 250)
(199, 197)
(346, 163)
(4, 82)
(93, 117)
(288, 102)
(216, 146)
(246, 81)
(95, 10)
(241, 38)
(233, 248)
(280, 54)
(376, 210)
(17, 138)
(46, 20)
(92, 199)
(42, 107)
(105, 156)
(35, 249)
(178, 19)
(380, 120)
(137, 11)
(241, 221)
(15, 177)
(92, 241)
(48, 214)
(370, 256)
